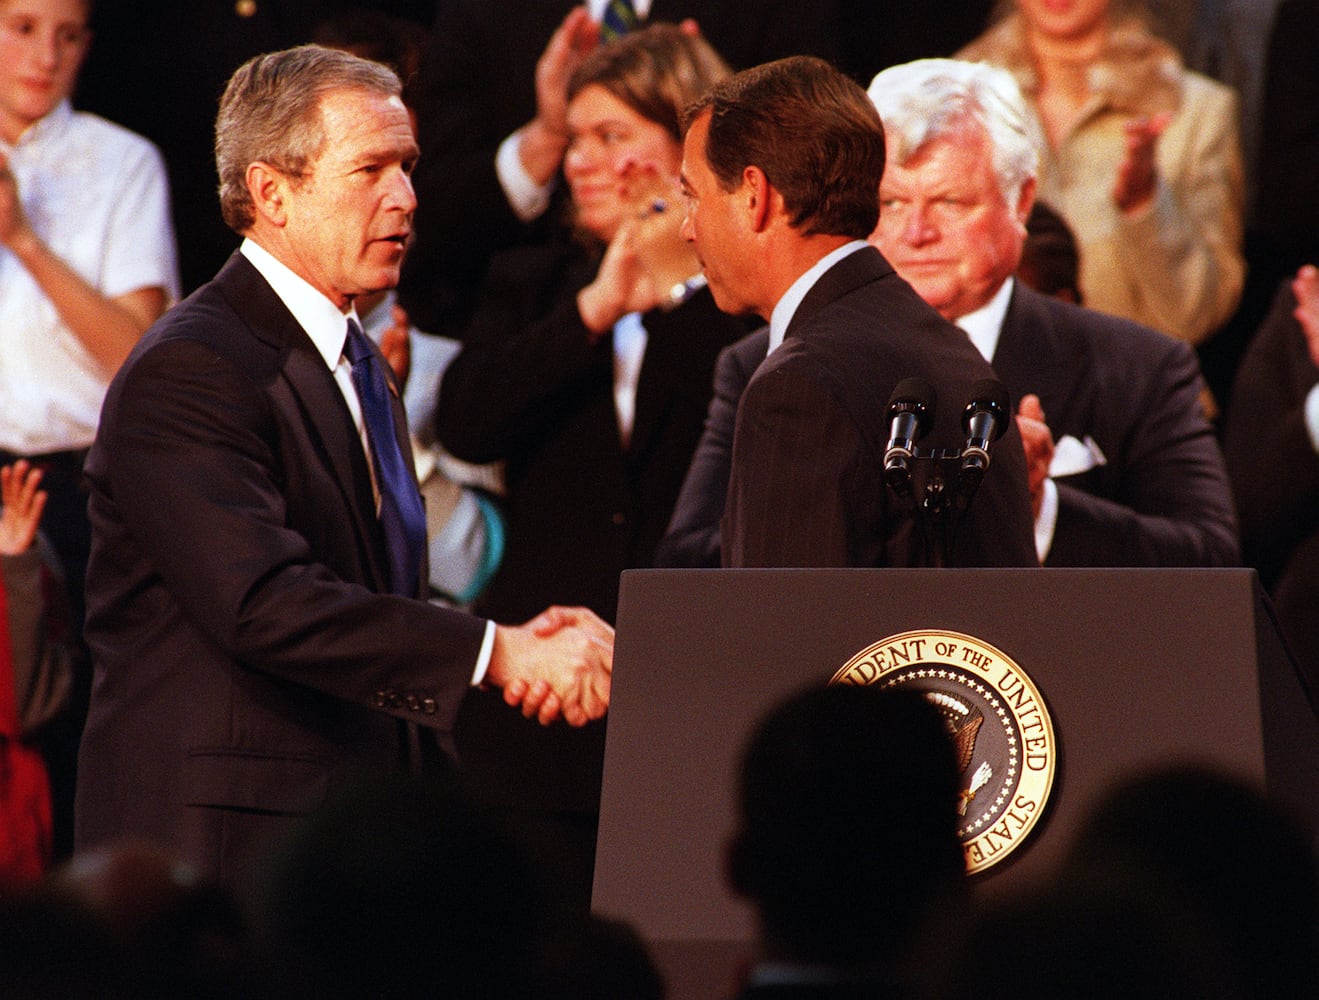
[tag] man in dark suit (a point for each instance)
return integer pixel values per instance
(1126, 471)
(781, 167)
(255, 624)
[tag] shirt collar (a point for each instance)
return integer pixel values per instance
(43, 131)
(318, 316)
(786, 307)
(985, 324)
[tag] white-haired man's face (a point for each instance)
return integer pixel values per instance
(945, 225)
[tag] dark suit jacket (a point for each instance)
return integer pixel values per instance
(247, 655)
(1162, 498)
(1275, 475)
(807, 484)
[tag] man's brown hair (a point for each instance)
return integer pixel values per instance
(811, 130)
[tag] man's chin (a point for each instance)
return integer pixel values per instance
(729, 303)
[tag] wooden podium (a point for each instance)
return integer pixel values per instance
(1138, 668)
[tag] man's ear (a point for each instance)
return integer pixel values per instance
(267, 186)
(759, 196)
(1025, 200)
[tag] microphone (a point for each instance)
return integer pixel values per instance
(910, 413)
(984, 420)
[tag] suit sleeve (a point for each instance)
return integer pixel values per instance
(693, 537)
(256, 542)
(796, 475)
(1172, 505)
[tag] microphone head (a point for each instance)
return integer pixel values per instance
(989, 396)
(917, 396)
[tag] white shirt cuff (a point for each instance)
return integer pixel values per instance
(483, 657)
(1312, 417)
(1047, 522)
(528, 199)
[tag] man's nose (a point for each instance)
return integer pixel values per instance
(404, 196)
(917, 227)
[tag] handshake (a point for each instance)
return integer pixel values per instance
(558, 664)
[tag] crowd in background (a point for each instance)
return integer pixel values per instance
(564, 363)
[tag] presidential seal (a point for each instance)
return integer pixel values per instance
(999, 724)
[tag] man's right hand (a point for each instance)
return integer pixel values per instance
(545, 138)
(559, 663)
(1037, 439)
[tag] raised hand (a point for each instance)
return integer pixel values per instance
(545, 137)
(23, 503)
(1037, 439)
(558, 664)
(1137, 174)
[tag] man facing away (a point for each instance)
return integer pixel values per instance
(257, 627)
(1124, 467)
(781, 167)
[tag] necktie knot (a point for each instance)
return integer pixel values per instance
(356, 347)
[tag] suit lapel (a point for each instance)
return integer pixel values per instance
(1025, 357)
(311, 395)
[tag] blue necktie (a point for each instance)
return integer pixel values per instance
(619, 18)
(401, 513)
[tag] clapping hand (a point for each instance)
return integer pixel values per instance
(1037, 439)
(1137, 174)
(558, 664)
(1305, 286)
(395, 344)
(647, 256)
(23, 503)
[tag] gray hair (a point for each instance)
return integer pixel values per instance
(271, 113)
(933, 98)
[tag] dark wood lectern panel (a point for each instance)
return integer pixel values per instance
(1137, 667)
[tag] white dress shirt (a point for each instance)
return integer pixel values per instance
(328, 329)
